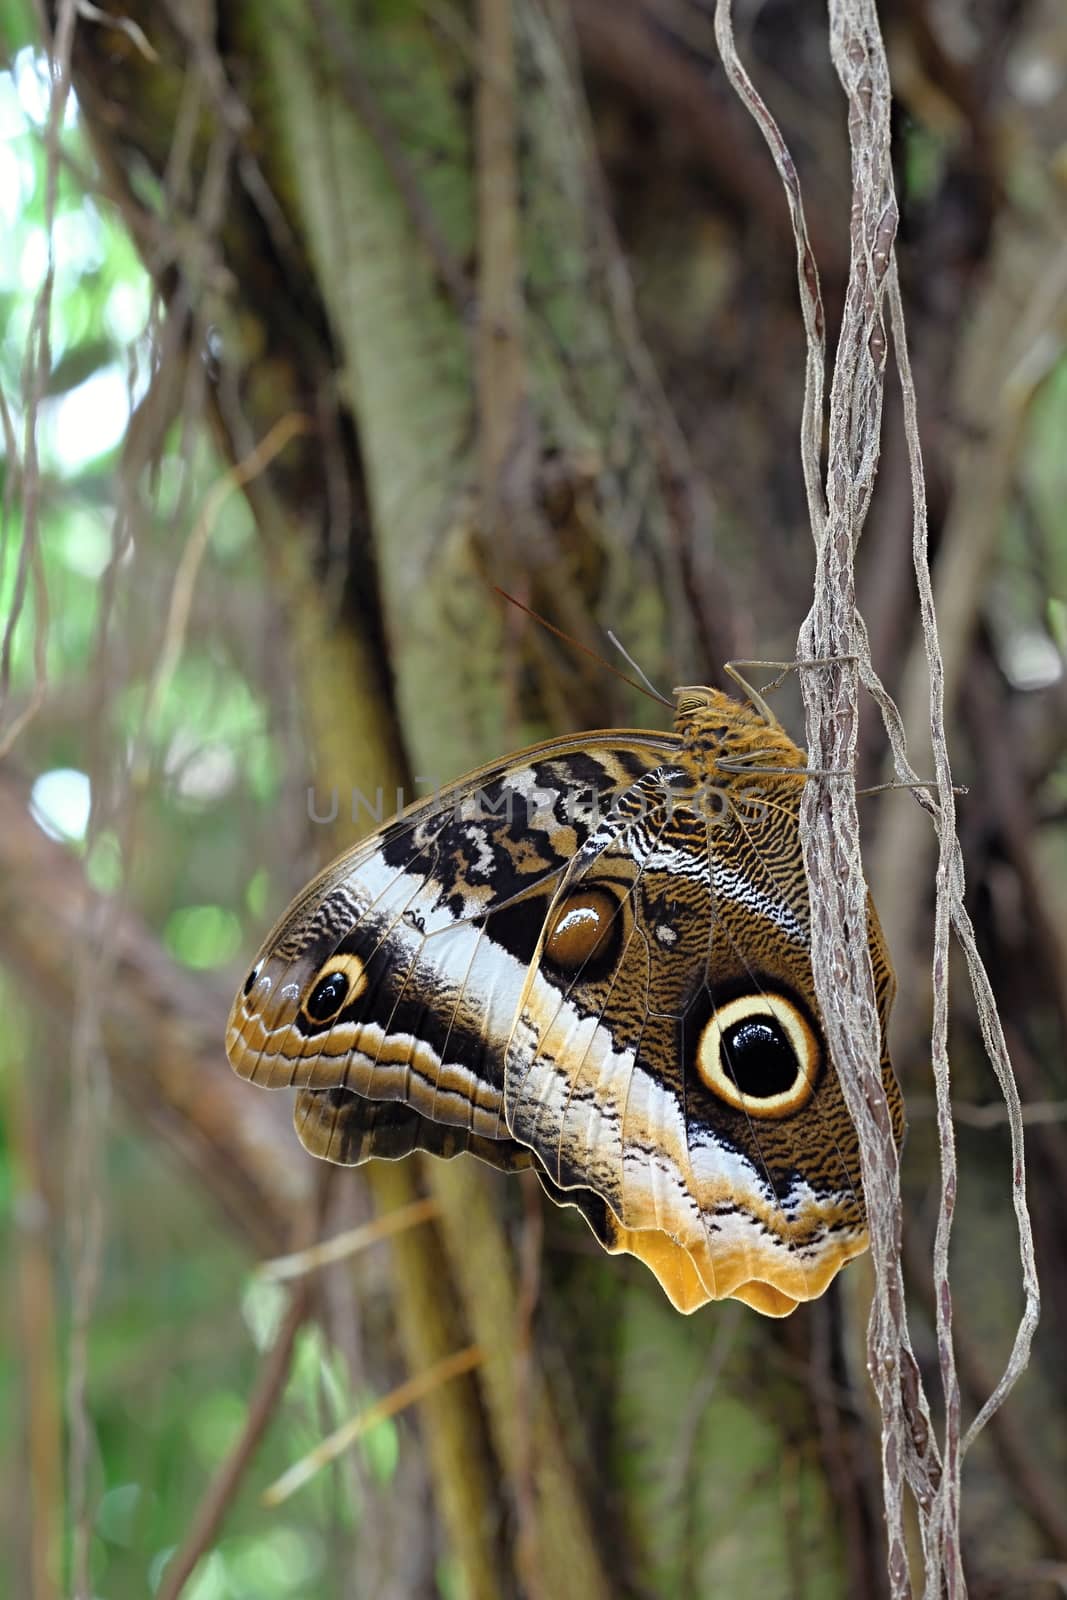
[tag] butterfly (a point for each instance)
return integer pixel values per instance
(591, 959)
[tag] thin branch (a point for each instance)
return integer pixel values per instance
(951, 909)
(404, 1395)
(1002, 369)
(37, 367)
(285, 429)
(531, 1243)
(345, 1245)
(829, 823)
(212, 1510)
(811, 306)
(38, 1323)
(841, 959)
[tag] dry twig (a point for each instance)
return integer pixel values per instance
(840, 956)
(404, 1395)
(224, 1485)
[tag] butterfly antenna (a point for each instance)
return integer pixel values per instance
(576, 644)
(638, 668)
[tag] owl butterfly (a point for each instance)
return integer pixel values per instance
(591, 959)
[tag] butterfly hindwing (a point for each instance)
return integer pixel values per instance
(348, 1129)
(626, 1068)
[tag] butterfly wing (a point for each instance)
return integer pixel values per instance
(667, 1064)
(348, 1129)
(395, 976)
(568, 962)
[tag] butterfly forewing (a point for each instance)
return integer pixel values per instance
(397, 974)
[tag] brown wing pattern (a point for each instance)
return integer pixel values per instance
(592, 960)
(346, 1128)
(395, 975)
(677, 1069)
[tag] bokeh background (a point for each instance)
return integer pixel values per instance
(319, 320)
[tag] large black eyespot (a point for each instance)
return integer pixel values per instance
(759, 1058)
(250, 980)
(759, 1054)
(327, 997)
(340, 980)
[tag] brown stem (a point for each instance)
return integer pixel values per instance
(37, 1313)
(224, 1486)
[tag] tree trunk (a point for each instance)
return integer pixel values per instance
(414, 257)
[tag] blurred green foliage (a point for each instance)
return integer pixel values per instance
(177, 1326)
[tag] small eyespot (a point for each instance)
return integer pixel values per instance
(250, 980)
(760, 1054)
(339, 981)
(584, 932)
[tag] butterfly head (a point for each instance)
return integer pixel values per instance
(723, 733)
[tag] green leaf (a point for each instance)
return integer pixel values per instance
(203, 936)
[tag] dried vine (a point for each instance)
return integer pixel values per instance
(833, 643)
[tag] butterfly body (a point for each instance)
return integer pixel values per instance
(593, 960)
